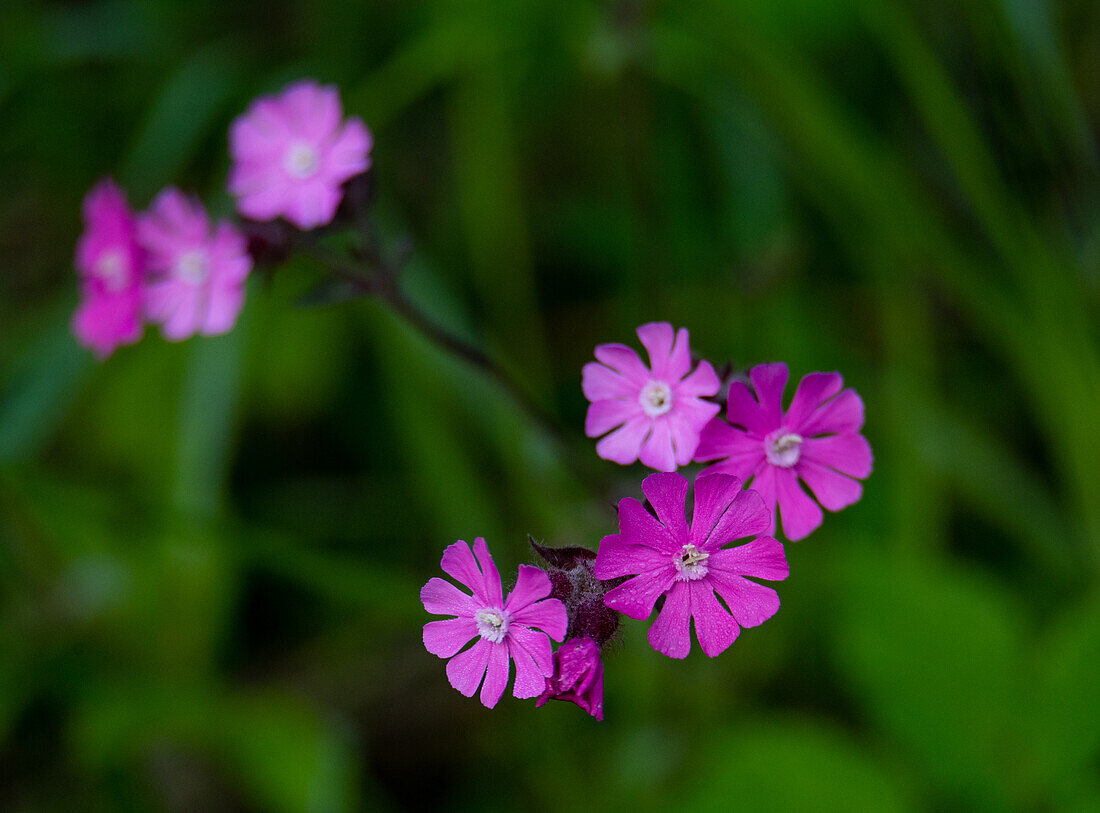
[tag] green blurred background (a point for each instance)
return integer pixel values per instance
(210, 552)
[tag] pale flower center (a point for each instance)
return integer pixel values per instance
(655, 398)
(302, 160)
(691, 563)
(783, 448)
(111, 269)
(193, 267)
(492, 624)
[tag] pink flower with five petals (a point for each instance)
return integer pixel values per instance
(654, 414)
(513, 629)
(292, 154)
(688, 565)
(111, 265)
(816, 441)
(197, 271)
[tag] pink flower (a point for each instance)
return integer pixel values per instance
(816, 441)
(196, 271)
(688, 565)
(656, 412)
(110, 263)
(578, 676)
(293, 152)
(505, 629)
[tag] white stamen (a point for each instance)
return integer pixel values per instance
(193, 267)
(492, 624)
(783, 448)
(302, 160)
(655, 398)
(691, 563)
(111, 269)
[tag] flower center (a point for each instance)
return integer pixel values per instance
(302, 160)
(193, 267)
(110, 268)
(655, 398)
(783, 448)
(492, 624)
(691, 563)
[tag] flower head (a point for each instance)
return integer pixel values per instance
(110, 263)
(816, 441)
(514, 629)
(292, 153)
(578, 676)
(197, 271)
(688, 564)
(656, 412)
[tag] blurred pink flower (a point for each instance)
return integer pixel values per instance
(197, 271)
(578, 676)
(688, 565)
(110, 263)
(656, 412)
(515, 628)
(293, 152)
(816, 441)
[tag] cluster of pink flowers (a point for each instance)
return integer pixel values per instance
(172, 265)
(293, 155)
(666, 415)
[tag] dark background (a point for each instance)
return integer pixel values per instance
(210, 552)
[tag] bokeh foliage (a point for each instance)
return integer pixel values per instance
(210, 552)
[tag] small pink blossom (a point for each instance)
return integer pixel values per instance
(816, 441)
(110, 263)
(578, 676)
(293, 152)
(688, 564)
(514, 629)
(656, 412)
(197, 271)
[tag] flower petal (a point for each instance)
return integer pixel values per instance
(493, 589)
(769, 380)
(601, 383)
(532, 584)
(751, 604)
(603, 416)
(657, 451)
(763, 558)
(636, 597)
(763, 483)
(548, 615)
(813, 390)
(714, 627)
(670, 634)
(842, 415)
(440, 597)
(623, 360)
(667, 493)
(701, 383)
(713, 495)
(496, 675)
(800, 514)
(459, 563)
(616, 558)
(658, 338)
(832, 489)
(744, 410)
(445, 638)
(530, 679)
(848, 454)
(537, 647)
(639, 527)
(466, 669)
(622, 445)
(747, 515)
